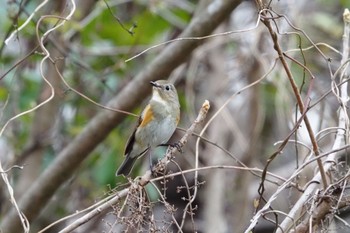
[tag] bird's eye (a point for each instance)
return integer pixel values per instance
(167, 87)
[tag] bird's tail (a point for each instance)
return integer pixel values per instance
(126, 166)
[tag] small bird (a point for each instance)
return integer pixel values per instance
(156, 124)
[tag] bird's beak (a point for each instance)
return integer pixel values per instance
(154, 84)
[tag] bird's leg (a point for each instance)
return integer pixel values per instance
(150, 159)
(175, 144)
(154, 168)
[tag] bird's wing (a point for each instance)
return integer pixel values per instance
(144, 119)
(130, 143)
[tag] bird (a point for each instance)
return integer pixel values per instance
(156, 124)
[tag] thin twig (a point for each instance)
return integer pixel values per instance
(130, 31)
(27, 21)
(195, 38)
(88, 98)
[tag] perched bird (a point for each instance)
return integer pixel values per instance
(156, 124)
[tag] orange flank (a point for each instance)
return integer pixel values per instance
(147, 116)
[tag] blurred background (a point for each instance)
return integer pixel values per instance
(90, 51)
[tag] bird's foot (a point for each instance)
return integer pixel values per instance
(178, 146)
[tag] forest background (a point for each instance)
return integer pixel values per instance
(269, 155)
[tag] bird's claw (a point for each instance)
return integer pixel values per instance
(178, 146)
